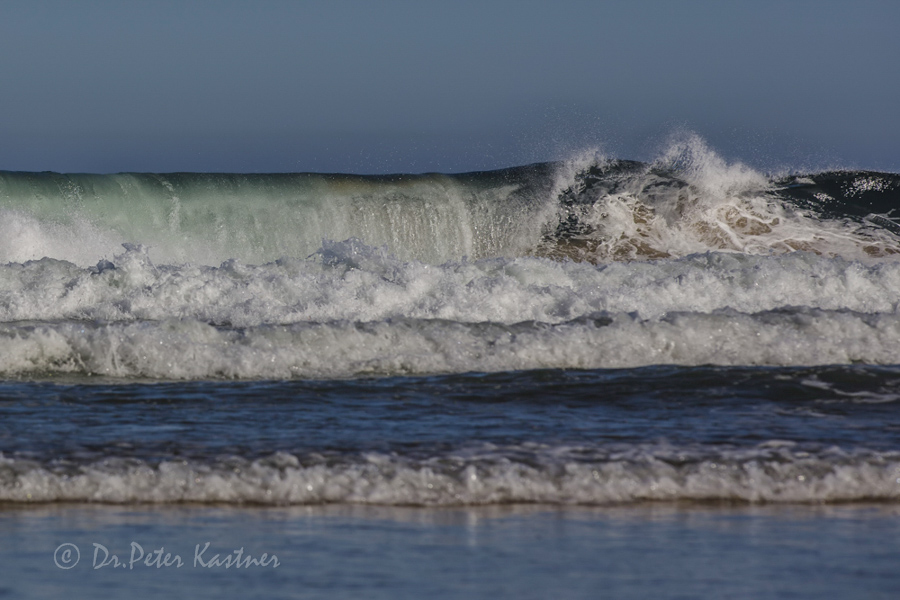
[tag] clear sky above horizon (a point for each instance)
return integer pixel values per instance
(393, 86)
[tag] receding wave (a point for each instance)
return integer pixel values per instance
(590, 208)
(536, 473)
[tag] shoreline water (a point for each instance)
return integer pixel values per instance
(530, 552)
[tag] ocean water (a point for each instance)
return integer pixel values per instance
(673, 379)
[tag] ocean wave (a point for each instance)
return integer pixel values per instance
(189, 349)
(774, 472)
(689, 200)
(588, 263)
(588, 208)
(354, 282)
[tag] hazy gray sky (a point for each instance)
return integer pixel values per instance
(442, 86)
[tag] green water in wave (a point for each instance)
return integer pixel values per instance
(208, 218)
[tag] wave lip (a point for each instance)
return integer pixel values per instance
(588, 263)
(689, 200)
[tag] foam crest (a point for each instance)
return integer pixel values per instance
(189, 349)
(776, 472)
(692, 159)
(355, 282)
(690, 200)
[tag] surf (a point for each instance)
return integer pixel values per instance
(588, 208)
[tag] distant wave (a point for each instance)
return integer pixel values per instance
(588, 208)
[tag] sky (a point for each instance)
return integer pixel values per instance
(395, 86)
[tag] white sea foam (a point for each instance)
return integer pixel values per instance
(728, 286)
(354, 282)
(689, 200)
(776, 472)
(352, 309)
(190, 349)
(24, 237)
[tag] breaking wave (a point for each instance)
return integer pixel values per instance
(531, 473)
(590, 208)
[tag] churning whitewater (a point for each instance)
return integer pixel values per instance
(771, 472)
(589, 263)
(594, 268)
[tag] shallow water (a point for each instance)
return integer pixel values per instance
(814, 434)
(665, 551)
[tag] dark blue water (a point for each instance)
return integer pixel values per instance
(741, 407)
(823, 434)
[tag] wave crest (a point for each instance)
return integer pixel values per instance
(531, 473)
(588, 208)
(690, 200)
